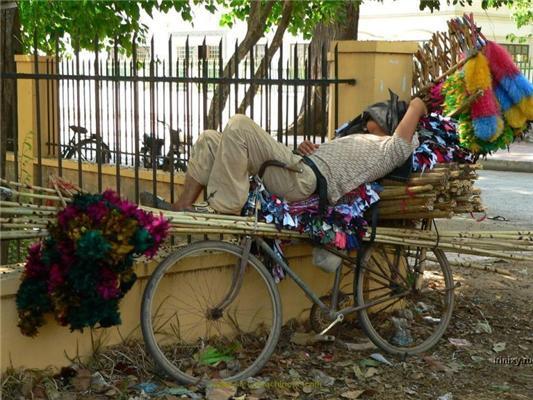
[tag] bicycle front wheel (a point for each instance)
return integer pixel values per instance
(407, 303)
(195, 330)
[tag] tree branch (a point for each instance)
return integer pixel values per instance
(265, 62)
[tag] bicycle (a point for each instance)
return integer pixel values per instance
(225, 323)
(155, 145)
(87, 149)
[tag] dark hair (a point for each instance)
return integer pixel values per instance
(387, 114)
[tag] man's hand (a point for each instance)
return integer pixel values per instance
(307, 147)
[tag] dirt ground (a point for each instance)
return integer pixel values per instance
(493, 314)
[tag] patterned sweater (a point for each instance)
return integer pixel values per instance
(352, 160)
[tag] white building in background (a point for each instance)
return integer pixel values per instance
(402, 20)
(390, 20)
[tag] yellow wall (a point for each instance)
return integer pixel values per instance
(55, 344)
(377, 66)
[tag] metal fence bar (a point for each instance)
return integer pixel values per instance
(78, 115)
(98, 120)
(135, 119)
(117, 146)
(38, 114)
(122, 103)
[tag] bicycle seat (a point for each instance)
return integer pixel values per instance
(78, 129)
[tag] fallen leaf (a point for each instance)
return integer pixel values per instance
(220, 390)
(352, 394)
(82, 380)
(501, 388)
(435, 365)
(459, 342)
(322, 378)
(410, 391)
(307, 389)
(483, 327)
(368, 362)
(358, 373)
(343, 363)
(447, 396)
(302, 338)
(362, 346)
(500, 346)
(370, 372)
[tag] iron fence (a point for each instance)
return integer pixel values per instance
(146, 112)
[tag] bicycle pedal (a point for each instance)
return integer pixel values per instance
(323, 338)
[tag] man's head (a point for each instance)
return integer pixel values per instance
(382, 118)
(374, 128)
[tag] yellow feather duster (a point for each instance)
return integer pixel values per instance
(477, 74)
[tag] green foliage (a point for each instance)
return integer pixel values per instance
(434, 5)
(305, 14)
(76, 24)
(522, 14)
(79, 23)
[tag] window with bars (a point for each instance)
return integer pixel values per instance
(210, 52)
(520, 52)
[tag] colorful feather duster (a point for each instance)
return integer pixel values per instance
(513, 91)
(485, 112)
(455, 95)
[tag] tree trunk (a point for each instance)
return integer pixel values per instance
(277, 41)
(10, 45)
(322, 37)
(256, 24)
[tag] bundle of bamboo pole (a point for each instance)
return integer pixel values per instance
(502, 245)
(446, 190)
(26, 210)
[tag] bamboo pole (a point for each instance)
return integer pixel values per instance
(24, 211)
(450, 247)
(21, 226)
(5, 203)
(400, 209)
(34, 195)
(391, 191)
(11, 235)
(421, 215)
(26, 186)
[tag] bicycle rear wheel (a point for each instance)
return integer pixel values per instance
(88, 149)
(409, 304)
(189, 336)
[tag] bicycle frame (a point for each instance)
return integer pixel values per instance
(331, 312)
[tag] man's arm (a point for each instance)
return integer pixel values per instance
(407, 126)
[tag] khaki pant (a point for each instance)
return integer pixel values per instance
(224, 162)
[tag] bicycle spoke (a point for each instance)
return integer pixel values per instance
(407, 322)
(202, 341)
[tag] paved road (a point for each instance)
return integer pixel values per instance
(508, 194)
(505, 194)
